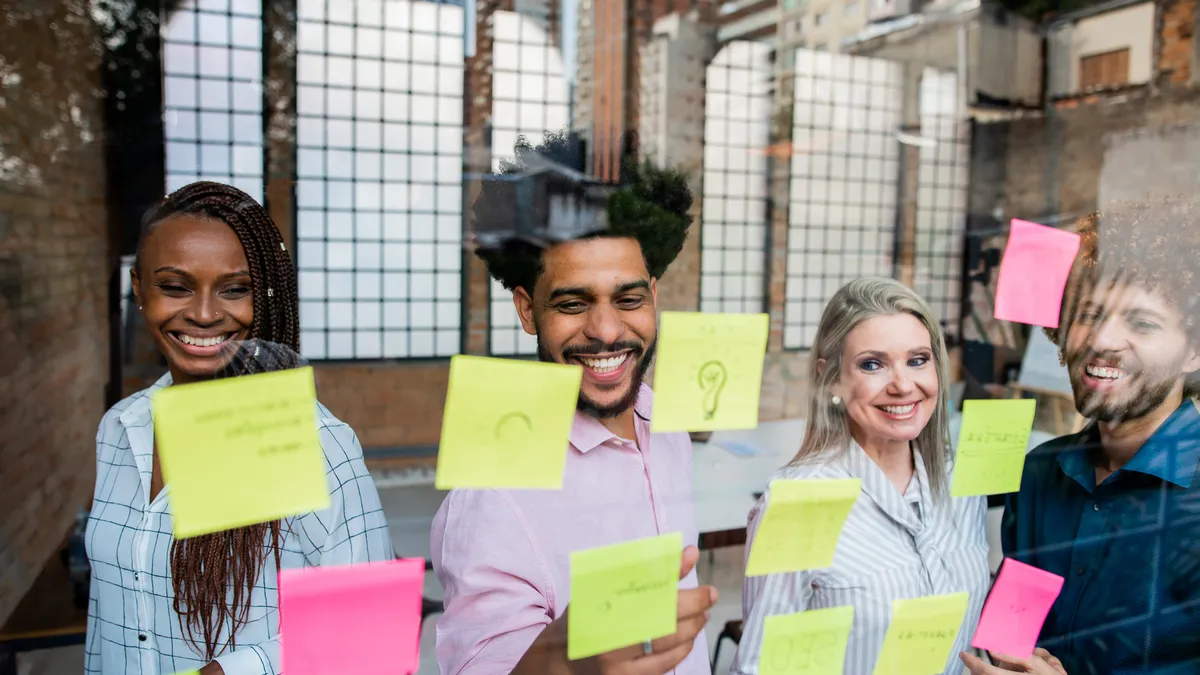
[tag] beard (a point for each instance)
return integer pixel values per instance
(1145, 391)
(590, 407)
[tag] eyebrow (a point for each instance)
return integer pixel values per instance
(583, 291)
(175, 270)
(879, 354)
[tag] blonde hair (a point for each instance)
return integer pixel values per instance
(828, 428)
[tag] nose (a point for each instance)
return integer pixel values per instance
(901, 384)
(604, 324)
(203, 310)
(1108, 336)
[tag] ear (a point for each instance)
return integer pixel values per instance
(654, 291)
(136, 282)
(821, 363)
(1192, 364)
(524, 304)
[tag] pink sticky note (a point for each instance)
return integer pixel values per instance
(1033, 273)
(362, 619)
(1016, 609)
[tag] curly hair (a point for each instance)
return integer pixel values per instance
(651, 206)
(1151, 243)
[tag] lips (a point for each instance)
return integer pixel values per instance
(899, 411)
(605, 368)
(201, 345)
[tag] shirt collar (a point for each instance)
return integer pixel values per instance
(1172, 453)
(588, 433)
(879, 489)
(138, 413)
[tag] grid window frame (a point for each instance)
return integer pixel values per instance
(734, 215)
(845, 172)
(379, 179)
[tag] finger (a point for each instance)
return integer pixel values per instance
(690, 555)
(1051, 659)
(1013, 663)
(658, 664)
(975, 664)
(686, 631)
(695, 601)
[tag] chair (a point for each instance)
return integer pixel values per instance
(732, 631)
(430, 607)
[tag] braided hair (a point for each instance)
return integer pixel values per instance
(206, 569)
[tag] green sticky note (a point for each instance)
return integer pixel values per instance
(507, 423)
(240, 450)
(991, 446)
(709, 371)
(623, 594)
(921, 634)
(801, 526)
(812, 642)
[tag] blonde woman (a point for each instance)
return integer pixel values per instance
(879, 414)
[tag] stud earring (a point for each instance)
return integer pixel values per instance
(139, 308)
(836, 400)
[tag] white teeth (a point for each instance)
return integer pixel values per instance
(202, 342)
(1101, 373)
(898, 409)
(604, 365)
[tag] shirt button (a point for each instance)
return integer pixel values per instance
(1095, 507)
(1081, 570)
(141, 637)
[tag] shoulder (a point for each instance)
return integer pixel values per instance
(1042, 461)
(110, 423)
(825, 467)
(338, 440)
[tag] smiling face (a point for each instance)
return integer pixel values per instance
(888, 381)
(193, 284)
(1127, 353)
(593, 306)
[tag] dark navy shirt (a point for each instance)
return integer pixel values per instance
(1128, 548)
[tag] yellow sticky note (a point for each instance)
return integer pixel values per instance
(991, 446)
(801, 526)
(921, 634)
(240, 450)
(623, 594)
(709, 371)
(507, 423)
(812, 642)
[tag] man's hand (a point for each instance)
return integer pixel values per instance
(548, 654)
(1041, 663)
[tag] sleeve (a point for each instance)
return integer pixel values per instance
(764, 596)
(91, 653)
(352, 530)
(498, 588)
(1016, 538)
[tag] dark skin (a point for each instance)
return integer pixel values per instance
(192, 284)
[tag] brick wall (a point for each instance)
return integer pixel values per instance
(53, 282)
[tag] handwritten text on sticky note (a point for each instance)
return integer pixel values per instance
(1033, 273)
(363, 619)
(1016, 609)
(623, 594)
(709, 371)
(507, 423)
(921, 635)
(991, 449)
(801, 525)
(253, 438)
(806, 643)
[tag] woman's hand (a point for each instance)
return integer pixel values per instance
(213, 668)
(1041, 663)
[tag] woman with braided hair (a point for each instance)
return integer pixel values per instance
(217, 290)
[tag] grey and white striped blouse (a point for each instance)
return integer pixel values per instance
(892, 547)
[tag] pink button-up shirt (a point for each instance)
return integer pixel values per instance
(503, 556)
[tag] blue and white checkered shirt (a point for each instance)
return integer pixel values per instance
(132, 625)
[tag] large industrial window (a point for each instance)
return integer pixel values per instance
(844, 182)
(379, 178)
(733, 234)
(529, 98)
(212, 94)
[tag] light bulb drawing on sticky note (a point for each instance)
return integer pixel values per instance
(712, 378)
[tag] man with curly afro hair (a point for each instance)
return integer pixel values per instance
(503, 556)
(1115, 508)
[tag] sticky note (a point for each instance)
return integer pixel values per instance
(709, 371)
(623, 594)
(921, 635)
(991, 446)
(363, 619)
(240, 450)
(801, 526)
(812, 642)
(1016, 609)
(1033, 273)
(507, 423)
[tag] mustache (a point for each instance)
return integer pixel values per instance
(598, 347)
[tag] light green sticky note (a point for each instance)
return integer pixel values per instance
(991, 446)
(623, 594)
(507, 423)
(812, 642)
(709, 371)
(240, 450)
(921, 634)
(801, 526)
